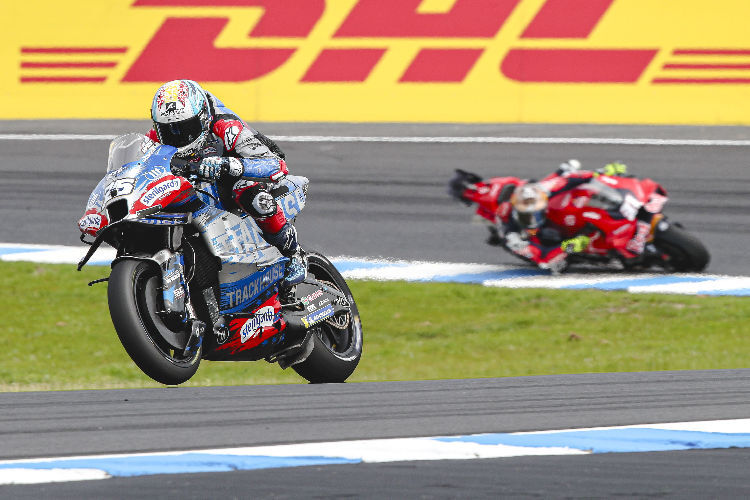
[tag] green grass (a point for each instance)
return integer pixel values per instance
(55, 333)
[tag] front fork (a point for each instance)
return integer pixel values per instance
(176, 295)
(174, 288)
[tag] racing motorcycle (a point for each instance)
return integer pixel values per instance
(193, 278)
(625, 212)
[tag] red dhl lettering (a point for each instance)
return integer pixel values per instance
(294, 20)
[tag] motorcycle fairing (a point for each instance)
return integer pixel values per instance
(238, 294)
(294, 200)
(248, 332)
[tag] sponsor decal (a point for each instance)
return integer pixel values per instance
(580, 201)
(236, 294)
(230, 136)
(566, 200)
(171, 276)
(656, 204)
(638, 243)
(159, 191)
(607, 180)
(222, 335)
(91, 223)
(630, 207)
(317, 316)
(624, 228)
(570, 220)
(309, 298)
(591, 215)
(292, 203)
(554, 184)
(386, 52)
(265, 316)
(504, 210)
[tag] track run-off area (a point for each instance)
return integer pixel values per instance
(378, 203)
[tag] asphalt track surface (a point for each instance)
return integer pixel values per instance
(388, 199)
(66, 423)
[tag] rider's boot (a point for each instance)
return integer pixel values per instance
(286, 241)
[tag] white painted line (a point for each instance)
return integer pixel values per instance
(723, 285)
(39, 476)
(605, 141)
(561, 281)
(632, 438)
(416, 271)
(484, 274)
(57, 137)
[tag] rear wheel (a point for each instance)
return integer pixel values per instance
(153, 344)
(685, 251)
(337, 342)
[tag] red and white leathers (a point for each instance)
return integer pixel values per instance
(255, 164)
(544, 245)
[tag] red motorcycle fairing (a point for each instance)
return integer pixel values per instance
(162, 192)
(614, 225)
(92, 222)
(248, 332)
(490, 199)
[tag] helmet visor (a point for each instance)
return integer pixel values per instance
(179, 134)
(530, 220)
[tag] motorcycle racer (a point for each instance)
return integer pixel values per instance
(529, 234)
(221, 147)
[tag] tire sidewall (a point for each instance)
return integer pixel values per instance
(322, 365)
(130, 327)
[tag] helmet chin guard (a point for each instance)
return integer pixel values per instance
(182, 116)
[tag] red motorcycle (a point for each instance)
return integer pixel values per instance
(622, 214)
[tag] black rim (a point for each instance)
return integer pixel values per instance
(146, 285)
(338, 333)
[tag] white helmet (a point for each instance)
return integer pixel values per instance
(529, 205)
(182, 116)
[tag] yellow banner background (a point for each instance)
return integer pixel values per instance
(713, 87)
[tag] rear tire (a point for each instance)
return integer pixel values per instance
(131, 294)
(685, 251)
(336, 351)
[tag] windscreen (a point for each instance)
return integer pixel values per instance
(127, 148)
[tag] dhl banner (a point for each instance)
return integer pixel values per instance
(560, 61)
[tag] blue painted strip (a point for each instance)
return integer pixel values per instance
(99, 263)
(179, 464)
(740, 292)
(615, 440)
(487, 275)
(11, 250)
(350, 265)
(625, 284)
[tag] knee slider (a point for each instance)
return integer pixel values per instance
(256, 201)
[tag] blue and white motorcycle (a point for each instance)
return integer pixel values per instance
(193, 279)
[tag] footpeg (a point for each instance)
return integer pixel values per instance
(197, 329)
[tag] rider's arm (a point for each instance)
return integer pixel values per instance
(254, 155)
(532, 250)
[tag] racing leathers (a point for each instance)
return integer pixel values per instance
(550, 246)
(245, 165)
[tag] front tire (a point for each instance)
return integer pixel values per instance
(686, 252)
(337, 342)
(132, 294)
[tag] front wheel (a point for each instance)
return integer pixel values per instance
(337, 342)
(685, 251)
(153, 344)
